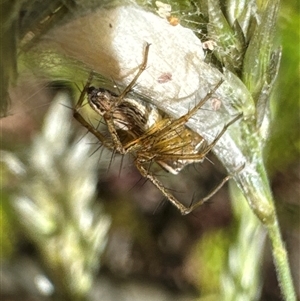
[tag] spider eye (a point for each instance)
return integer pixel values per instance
(90, 90)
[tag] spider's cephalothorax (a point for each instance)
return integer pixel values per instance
(150, 135)
(130, 115)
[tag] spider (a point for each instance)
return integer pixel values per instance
(148, 134)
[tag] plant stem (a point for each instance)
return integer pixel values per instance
(281, 262)
(256, 189)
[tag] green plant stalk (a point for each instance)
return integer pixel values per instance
(281, 261)
(256, 189)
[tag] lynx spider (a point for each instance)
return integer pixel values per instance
(168, 142)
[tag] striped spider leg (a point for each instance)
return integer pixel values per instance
(150, 135)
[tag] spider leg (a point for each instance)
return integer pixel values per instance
(83, 92)
(141, 69)
(217, 138)
(205, 199)
(183, 209)
(147, 174)
(213, 192)
(210, 146)
(185, 118)
(114, 135)
(172, 125)
(108, 116)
